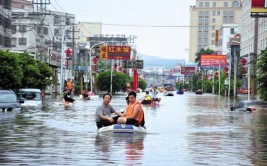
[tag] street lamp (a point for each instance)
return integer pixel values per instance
(90, 63)
(62, 56)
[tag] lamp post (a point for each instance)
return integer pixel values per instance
(63, 56)
(212, 79)
(219, 78)
(90, 62)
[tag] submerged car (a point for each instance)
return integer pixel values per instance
(31, 97)
(9, 103)
(248, 105)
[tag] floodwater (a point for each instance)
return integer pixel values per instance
(182, 130)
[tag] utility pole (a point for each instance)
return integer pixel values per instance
(256, 31)
(235, 71)
(73, 51)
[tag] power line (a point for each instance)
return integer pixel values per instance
(60, 7)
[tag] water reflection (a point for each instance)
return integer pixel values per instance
(131, 144)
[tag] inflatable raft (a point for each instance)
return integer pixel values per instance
(122, 128)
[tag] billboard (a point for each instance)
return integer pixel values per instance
(209, 61)
(258, 6)
(115, 52)
(188, 70)
(139, 64)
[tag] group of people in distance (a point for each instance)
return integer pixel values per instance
(133, 115)
(151, 99)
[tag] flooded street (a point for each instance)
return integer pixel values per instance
(184, 129)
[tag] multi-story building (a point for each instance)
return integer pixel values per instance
(248, 28)
(226, 32)
(208, 16)
(5, 24)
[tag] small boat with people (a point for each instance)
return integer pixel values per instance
(122, 128)
(199, 92)
(180, 92)
(168, 93)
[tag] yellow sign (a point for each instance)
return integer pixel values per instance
(103, 52)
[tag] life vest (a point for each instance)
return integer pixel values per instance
(69, 85)
(147, 97)
(130, 110)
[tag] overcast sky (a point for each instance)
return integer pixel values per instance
(164, 42)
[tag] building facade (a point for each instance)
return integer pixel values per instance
(206, 17)
(5, 24)
(248, 29)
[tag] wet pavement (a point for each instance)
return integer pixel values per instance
(184, 129)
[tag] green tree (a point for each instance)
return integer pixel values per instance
(118, 81)
(10, 70)
(262, 74)
(36, 74)
(142, 84)
(45, 75)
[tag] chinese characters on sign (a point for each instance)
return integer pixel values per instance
(212, 60)
(115, 52)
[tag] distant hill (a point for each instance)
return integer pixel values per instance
(157, 61)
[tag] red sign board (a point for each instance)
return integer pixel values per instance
(258, 6)
(119, 52)
(212, 60)
(188, 70)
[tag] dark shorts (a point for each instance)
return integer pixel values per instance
(104, 123)
(132, 122)
(68, 99)
(85, 95)
(155, 99)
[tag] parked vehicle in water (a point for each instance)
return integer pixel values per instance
(248, 105)
(31, 96)
(9, 104)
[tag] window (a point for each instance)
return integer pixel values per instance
(231, 16)
(232, 31)
(212, 34)
(225, 4)
(212, 42)
(200, 4)
(235, 4)
(45, 31)
(213, 13)
(206, 34)
(213, 27)
(56, 32)
(214, 4)
(14, 29)
(57, 20)
(206, 41)
(200, 13)
(207, 4)
(218, 13)
(199, 34)
(199, 41)
(13, 42)
(22, 28)
(213, 20)
(207, 13)
(22, 41)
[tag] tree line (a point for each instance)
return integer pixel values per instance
(20, 70)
